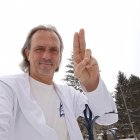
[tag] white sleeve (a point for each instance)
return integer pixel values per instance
(101, 104)
(6, 107)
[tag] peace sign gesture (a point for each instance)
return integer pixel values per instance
(85, 66)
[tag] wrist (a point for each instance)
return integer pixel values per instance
(91, 85)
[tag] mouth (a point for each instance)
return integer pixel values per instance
(45, 63)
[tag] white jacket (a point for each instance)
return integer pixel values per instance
(22, 119)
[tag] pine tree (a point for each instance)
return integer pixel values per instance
(134, 101)
(129, 89)
(121, 90)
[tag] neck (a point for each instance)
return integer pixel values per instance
(44, 79)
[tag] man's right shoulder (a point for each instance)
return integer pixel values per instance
(12, 78)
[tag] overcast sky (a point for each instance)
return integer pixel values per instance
(112, 32)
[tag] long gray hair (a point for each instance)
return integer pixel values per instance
(25, 63)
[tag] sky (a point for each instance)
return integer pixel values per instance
(112, 29)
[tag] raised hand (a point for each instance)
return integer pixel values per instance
(85, 65)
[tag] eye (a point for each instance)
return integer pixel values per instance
(39, 49)
(55, 50)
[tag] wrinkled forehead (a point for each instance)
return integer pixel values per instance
(40, 34)
(45, 36)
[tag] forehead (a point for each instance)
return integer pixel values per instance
(45, 36)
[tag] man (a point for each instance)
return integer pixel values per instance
(33, 107)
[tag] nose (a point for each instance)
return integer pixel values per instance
(46, 54)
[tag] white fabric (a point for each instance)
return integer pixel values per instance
(22, 119)
(48, 100)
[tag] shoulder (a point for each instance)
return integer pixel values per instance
(13, 79)
(16, 76)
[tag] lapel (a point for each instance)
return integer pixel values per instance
(71, 120)
(32, 112)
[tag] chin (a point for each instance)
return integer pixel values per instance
(46, 72)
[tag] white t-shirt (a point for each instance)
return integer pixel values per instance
(52, 107)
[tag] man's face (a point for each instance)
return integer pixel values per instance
(44, 54)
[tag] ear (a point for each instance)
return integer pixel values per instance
(27, 52)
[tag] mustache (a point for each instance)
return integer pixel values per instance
(46, 61)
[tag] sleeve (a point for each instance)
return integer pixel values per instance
(6, 107)
(102, 104)
(79, 103)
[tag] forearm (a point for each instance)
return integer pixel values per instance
(101, 103)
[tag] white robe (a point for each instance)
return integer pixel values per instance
(22, 119)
